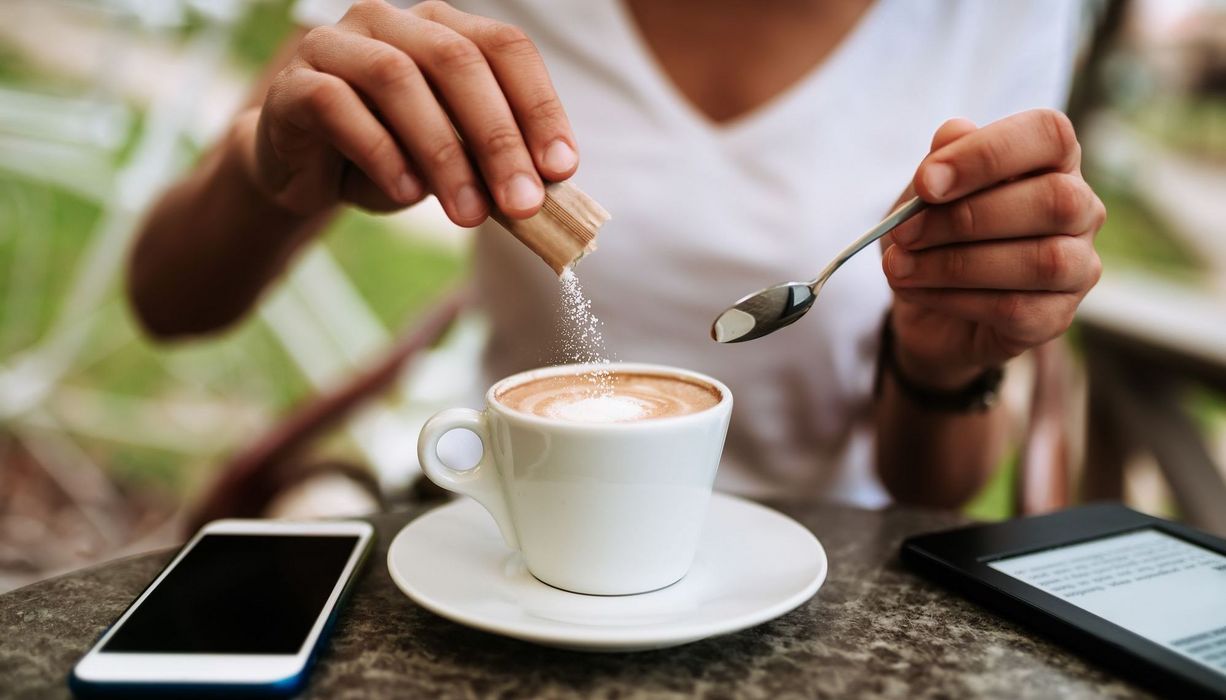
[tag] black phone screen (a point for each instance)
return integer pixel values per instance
(238, 594)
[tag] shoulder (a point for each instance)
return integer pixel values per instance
(1008, 55)
(999, 26)
(1008, 16)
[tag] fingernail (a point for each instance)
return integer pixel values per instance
(902, 263)
(522, 193)
(560, 157)
(469, 203)
(938, 178)
(410, 188)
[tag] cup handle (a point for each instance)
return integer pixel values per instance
(481, 482)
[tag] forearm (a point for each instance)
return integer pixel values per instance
(931, 457)
(212, 243)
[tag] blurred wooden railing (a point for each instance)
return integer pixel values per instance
(1146, 343)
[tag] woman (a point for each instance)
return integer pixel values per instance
(736, 144)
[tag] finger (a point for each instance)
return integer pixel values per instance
(360, 190)
(1048, 204)
(318, 102)
(1036, 140)
(458, 70)
(1029, 318)
(395, 85)
(1041, 263)
(525, 82)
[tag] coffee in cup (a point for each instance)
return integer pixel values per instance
(613, 396)
(602, 491)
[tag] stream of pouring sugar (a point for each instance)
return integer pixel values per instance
(582, 341)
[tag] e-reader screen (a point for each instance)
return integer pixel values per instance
(1163, 588)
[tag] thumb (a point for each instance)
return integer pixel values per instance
(947, 133)
(951, 131)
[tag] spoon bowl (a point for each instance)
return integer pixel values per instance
(763, 312)
(770, 309)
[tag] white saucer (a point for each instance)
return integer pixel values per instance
(753, 564)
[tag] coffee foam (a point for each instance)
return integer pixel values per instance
(599, 409)
(631, 397)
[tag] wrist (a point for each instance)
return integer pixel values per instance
(243, 151)
(931, 373)
(933, 385)
(236, 173)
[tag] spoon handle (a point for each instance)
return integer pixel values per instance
(889, 223)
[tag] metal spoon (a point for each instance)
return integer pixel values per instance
(770, 309)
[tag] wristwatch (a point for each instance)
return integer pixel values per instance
(978, 395)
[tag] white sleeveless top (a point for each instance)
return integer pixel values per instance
(705, 213)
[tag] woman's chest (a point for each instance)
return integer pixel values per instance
(729, 58)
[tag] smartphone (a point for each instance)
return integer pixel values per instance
(242, 608)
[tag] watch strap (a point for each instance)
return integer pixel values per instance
(978, 395)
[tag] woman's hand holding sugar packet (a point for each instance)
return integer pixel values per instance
(425, 100)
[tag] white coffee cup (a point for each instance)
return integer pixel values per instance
(596, 508)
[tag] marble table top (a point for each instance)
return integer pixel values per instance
(873, 630)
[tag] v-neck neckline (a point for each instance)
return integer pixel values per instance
(821, 77)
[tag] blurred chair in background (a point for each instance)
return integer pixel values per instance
(1153, 112)
(64, 502)
(61, 503)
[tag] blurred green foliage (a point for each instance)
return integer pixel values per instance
(1192, 124)
(254, 38)
(42, 232)
(261, 31)
(1135, 237)
(399, 276)
(12, 68)
(995, 501)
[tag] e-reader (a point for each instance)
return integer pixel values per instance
(1141, 595)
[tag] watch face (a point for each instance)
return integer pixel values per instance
(979, 395)
(987, 400)
(989, 387)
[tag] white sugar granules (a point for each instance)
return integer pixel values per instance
(582, 341)
(599, 409)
